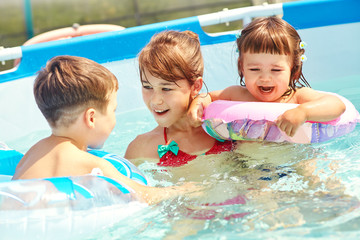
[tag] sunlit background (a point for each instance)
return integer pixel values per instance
(22, 19)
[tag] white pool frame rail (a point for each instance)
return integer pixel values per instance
(10, 53)
(246, 14)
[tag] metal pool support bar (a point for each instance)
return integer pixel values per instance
(28, 19)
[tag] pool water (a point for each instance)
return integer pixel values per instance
(261, 190)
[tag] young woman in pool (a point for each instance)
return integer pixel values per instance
(171, 69)
(270, 60)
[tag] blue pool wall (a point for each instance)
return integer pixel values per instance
(330, 27)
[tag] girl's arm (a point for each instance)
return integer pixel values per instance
(196, 109)
(197, 106)
(314, 106)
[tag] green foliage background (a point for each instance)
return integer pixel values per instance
(49, 15)
(53, 14)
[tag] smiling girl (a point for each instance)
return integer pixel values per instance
(171, 68)
(271, 55)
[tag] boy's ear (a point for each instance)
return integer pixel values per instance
(89, 117)
(196, 87)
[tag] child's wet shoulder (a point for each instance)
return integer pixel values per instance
(239, 93)
(154, 135)
(305, 94)
(144, 144)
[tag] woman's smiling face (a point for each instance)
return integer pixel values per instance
(266, 75)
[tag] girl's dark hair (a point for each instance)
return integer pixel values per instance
(275, 36)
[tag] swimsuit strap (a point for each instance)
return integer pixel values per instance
(165, 136)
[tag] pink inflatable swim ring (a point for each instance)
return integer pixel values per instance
(231, 120)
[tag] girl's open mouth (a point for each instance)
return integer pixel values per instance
(161, 112)
(266, 89)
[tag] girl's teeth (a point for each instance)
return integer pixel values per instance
(159, 111)
(266, 89)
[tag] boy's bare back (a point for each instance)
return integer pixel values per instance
(51, 157)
